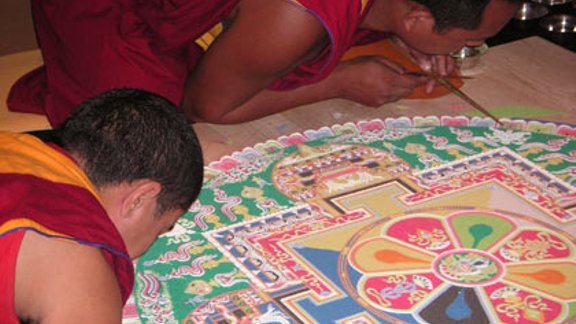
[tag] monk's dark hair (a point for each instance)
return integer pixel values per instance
(124, 135)
(466, 14)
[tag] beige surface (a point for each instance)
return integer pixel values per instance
(530, 72)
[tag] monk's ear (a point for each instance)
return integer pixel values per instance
(141, 199)
(417, 16)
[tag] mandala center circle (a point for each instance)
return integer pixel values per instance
(468, 267)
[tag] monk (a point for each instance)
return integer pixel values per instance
(77, 209)
(267, 56)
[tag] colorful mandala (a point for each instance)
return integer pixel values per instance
(426, 220)
(477, 266)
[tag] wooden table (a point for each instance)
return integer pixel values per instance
(527, 73)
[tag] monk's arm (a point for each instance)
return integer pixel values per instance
(268, 39)
(62, 282)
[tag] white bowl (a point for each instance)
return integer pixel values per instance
(469, 56)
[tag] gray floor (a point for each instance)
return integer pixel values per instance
(16, 28)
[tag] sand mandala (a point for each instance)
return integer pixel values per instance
(423, 220)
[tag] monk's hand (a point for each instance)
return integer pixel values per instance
(435, 65)
(373, 81)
